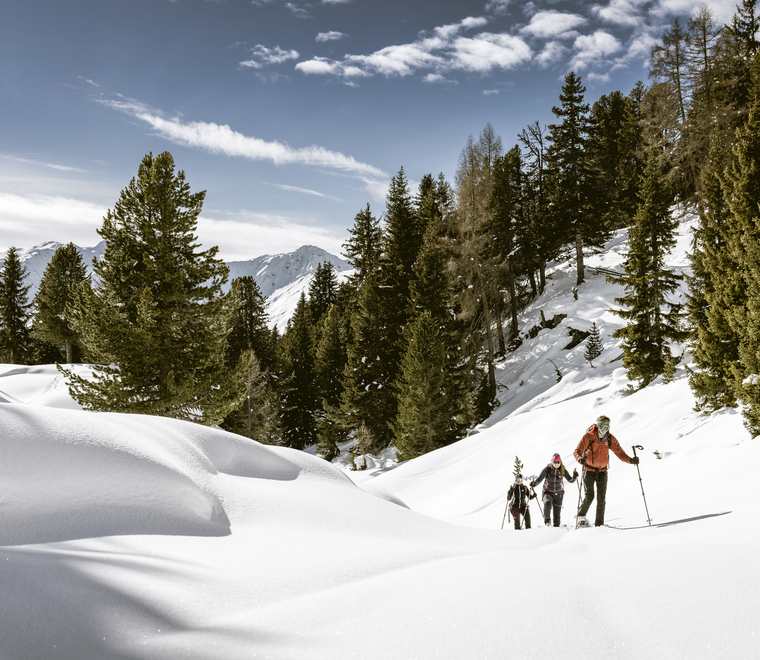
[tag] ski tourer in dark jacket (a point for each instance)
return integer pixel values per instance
(554, 488)
(519, 499)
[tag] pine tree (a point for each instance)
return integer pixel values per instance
(364, 247)
(52, 324)
(652, 319)
(15, 340)
(426, 404)
(323, 291)
(518, 467)
(298, 388)
(594, 345)
(368, 399)
(569, 171)
(248, 325)
(744, 241)
(156, 314)
(330, 363)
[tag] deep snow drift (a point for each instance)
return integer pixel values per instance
(134, 537)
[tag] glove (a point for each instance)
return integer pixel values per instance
(635, 460)
(575, 474)
(532, 484)
(583, 460)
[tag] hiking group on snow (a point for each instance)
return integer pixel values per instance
(593, 454)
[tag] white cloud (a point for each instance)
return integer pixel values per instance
(598, 78)
(497, 7)
(222, 139)
(552, 53)
(303, 191)
(25, 218)
(593, 49)
(437, 78)
(263, 56)
(490, 92)
(330, 36)
(298, 12)
(439, 54)
(553, 25)
(52, 166)
(626, 13)
(489, 51)
(335, 2)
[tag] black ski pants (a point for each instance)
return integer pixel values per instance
(600, 479)
(553, 501)
(516, 515)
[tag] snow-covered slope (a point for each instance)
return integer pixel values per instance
(125, 536)
(281, 277)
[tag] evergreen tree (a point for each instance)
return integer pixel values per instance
(248, 325)
(630, 157)
(716, 288)
(570, 174)
(368, 399)
(15, 340)
(427, 405)
(594, 345)
(652, 319)
(298, 389)
(157, 315)
(65, 272)
(518, 467)
(364, 247)
(744, 241)
(330, 363)
(323, 291)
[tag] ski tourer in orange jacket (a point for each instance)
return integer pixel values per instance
(597, 450)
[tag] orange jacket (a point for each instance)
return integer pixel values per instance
(598, 453)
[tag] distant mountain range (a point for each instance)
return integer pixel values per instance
(281, 277)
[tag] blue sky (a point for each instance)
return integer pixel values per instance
(291, 115)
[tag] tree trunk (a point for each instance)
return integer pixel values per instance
(512, 303)
(500, 324)
(68, 347)
(579, 258)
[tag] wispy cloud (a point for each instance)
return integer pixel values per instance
(330, 36)
(497, 7)
(554, 25)
(221, 139)
(297, 10)
(303, 191)
(52, 166)
(335, 2)
(263, 56)
(438, 79)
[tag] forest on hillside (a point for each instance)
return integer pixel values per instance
(403, 353)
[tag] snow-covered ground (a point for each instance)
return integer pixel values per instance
(134, 537)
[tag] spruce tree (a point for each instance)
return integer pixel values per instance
(518, 467)
(156, 314)
(323, 291)
(594, 345)
(744, 222)
(364, 247)
(15, 340)
(427, 405)
(248, 325)
(651, 319)
(52, 324)
(298, 388)
(571, 189)
(330, 363)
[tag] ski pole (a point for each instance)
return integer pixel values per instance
(635, 447)
(540, 511)
(506, 508)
